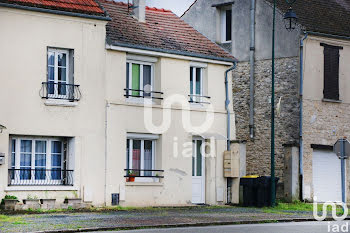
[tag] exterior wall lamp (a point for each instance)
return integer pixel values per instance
(290, 19)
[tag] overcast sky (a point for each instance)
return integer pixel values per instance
(176, 6)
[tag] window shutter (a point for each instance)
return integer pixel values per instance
(331, 72)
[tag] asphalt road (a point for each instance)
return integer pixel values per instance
(292, 227)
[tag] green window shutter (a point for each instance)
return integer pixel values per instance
(136, 79)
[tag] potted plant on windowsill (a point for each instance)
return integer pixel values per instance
(131, 176)
(9, 202)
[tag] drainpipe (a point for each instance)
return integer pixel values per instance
(252, 66)
(227, 103)
(106, 152)
(301, 152)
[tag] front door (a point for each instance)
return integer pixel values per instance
(198, 172)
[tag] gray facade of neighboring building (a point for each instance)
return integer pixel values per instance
(205, 17)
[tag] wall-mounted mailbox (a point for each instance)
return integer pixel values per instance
(231, 164)
(2, 158)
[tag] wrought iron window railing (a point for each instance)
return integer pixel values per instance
(143, 94)
(40, 177)
(51, 90)
(199, 99)
(144, 173)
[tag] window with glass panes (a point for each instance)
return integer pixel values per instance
(226, 24)
(196, 83)
(58, 72)
(139, 79)
(36, 158)
(140, 156)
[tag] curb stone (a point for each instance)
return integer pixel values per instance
(184, 225)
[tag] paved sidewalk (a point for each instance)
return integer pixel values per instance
(140, 218)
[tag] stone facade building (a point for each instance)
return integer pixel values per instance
(257, 130)
(306, 69)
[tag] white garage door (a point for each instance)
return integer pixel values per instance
(326, 176)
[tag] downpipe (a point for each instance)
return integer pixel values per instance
(228, 143)
(301, 147)
(106, 152)
(252, 67)
(227, 103)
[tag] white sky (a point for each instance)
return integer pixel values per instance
(176, 6)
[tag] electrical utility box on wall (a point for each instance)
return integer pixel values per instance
(2, 158)
(231, 164)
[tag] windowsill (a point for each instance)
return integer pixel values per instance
(41, 188)
(332, 101)
(226, 42)
(198, 106)
(139, 101)
(62, 103)
(143, 184)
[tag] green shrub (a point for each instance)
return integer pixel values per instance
(8, 197)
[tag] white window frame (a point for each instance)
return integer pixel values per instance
(48, 166)
(141, 63)
(223, 26)
(196, 97)
(57, 52)
(153, 138)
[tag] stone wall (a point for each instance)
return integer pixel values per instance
(323, 124)
(287, 124)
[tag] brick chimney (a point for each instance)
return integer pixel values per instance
(139, 10)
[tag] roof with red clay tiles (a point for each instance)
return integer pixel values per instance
(163, 31)
(90, 7)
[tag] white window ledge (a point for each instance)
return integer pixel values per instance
(198, 106)
(62, 103)
(143, 184)
(41, 188)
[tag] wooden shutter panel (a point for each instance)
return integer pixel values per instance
(331, 72)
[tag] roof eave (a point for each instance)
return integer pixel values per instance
(174, 52)
(57, 12)
(328, 35)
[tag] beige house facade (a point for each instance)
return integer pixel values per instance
(88, 117)
(325, 119)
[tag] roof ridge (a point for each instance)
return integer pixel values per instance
(157, 9)
(130, 4)
(87, 7)
(60, 1)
